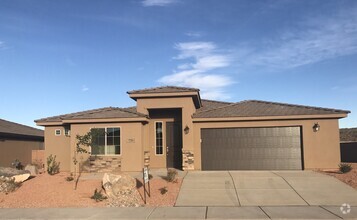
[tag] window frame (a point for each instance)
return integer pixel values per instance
(163, 142)
(105, 142)
(60, 132)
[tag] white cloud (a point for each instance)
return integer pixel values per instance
(194, 34)
(203, 57)
(313, 41)
(84, 88)
(148, 3)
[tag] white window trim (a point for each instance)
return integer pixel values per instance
(163, 139)
(105, 141)
(60, 132)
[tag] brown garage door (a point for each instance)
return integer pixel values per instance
(273, 148)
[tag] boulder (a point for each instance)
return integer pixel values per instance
(32, 169)
(18, 175)
(21, 177)
(118, 184)
(121, 190)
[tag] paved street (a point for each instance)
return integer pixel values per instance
(271, 212)
(263, 188)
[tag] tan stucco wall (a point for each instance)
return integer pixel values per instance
(18, 149)
(131, 152)
(321, 149)
(59, 146)
(188, 108)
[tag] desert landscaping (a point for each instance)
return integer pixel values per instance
(44, 191)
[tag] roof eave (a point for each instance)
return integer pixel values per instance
(267, 118)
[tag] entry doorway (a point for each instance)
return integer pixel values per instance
(174, 145)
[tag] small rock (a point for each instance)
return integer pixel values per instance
(32, 169)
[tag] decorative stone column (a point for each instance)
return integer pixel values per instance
(188, 160)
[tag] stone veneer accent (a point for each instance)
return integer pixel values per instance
(146, 158)
(188, 160)
(103, 164)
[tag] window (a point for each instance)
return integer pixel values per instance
(67, 132)
(58, 132)
(158, 138)
(106, 141)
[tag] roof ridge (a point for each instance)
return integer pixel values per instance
(162, 87)
(124, 110)
(80, 112)
(209, 100)
(21, 125)
(232, 104)
(298, 105)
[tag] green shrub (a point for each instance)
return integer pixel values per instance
(345, 167)
(17, 164)
(52, 165)
(171, 175)
(98, 196)
(70, 178)
(163, 190)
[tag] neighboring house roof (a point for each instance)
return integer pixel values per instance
(12, 128)
(163, 89)
(256, 108)
(348, 134)
(100, 113)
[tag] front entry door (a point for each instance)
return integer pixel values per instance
(173, 145)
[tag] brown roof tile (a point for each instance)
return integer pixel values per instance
(9, 127)
(211, 104)
(256, 108)
(163, 89)
(108, 112)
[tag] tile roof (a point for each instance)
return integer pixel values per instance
(9, 127)
(163, 89)
(100, 113)
(211, 104)
(256, 108)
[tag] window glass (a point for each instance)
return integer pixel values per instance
(105, 141)
(57, 132)
(158, 135)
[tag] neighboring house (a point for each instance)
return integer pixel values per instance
(17, 142)
(174, 127)
(348, 138)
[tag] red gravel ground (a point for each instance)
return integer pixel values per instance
(349, 178)
(44, 191)
(156, 198)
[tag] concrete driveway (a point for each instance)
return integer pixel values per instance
(263, 188)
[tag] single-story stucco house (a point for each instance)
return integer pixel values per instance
(18, 141)
(173, 127)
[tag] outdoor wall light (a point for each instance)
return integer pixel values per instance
(316, 127)
(186, 130)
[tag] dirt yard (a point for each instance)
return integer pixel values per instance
(44, 191)
(156, 198)
(350, 178)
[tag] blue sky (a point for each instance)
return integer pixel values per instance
(60, 57)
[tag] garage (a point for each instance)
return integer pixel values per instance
(268, 148)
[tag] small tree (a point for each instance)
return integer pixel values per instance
(83, 142)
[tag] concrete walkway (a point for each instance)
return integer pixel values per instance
(263, 188)
(272, 212)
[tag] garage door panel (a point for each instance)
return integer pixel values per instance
(251, 148)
